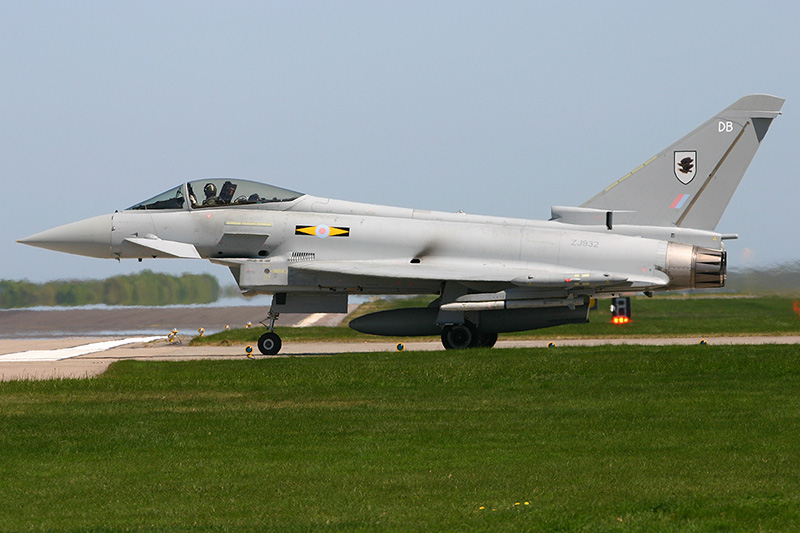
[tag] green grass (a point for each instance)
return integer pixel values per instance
(652, 317)
(678, 317)
(698, 438)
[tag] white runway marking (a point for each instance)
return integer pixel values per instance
(66, 353)
(310, 320)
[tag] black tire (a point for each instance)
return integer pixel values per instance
(486, 340)
(458, 337)
(269, 343)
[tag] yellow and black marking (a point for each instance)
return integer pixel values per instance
(322, 231)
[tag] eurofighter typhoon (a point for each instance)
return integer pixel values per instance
(651, 230)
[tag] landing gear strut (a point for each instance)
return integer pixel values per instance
(270, 343)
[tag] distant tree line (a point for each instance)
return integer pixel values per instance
(145, 288)
(783, 278)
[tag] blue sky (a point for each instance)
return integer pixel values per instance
(499, 108)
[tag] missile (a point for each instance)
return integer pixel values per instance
(492, 305)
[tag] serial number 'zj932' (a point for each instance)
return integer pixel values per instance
(585, 243)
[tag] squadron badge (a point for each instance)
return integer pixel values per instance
(685, 166)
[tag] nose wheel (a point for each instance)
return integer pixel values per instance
(269, 343)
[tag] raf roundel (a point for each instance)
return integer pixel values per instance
(322, 231)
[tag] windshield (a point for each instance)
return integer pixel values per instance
(231, 191)
(172, 199)
(215, 192)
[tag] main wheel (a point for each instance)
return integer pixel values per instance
(269, 343)
(458, 337)
(486, 340)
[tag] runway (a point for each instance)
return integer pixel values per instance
(84, 357)
(103, 321)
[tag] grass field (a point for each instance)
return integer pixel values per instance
(659, 316)
(698, 438)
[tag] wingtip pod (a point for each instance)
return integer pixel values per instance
(690, 183)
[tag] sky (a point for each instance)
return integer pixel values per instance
(496, 108)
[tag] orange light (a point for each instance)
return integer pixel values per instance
(620, 320)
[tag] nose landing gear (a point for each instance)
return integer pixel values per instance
(270, 343)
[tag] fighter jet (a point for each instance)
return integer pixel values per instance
(651, 230)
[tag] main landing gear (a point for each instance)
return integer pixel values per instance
(270, 343)
(463, 336)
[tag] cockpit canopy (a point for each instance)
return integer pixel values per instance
(216, 192)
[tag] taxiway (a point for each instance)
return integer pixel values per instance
(83, 357)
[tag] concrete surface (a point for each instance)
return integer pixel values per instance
(83, 366)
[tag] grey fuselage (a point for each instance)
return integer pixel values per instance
(408, 240)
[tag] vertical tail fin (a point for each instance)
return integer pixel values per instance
(690, 183)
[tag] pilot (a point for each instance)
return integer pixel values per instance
(192, 198)
(210, 191)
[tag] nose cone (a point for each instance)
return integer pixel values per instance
(90, 237)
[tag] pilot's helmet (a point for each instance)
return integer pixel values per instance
(210, 190)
